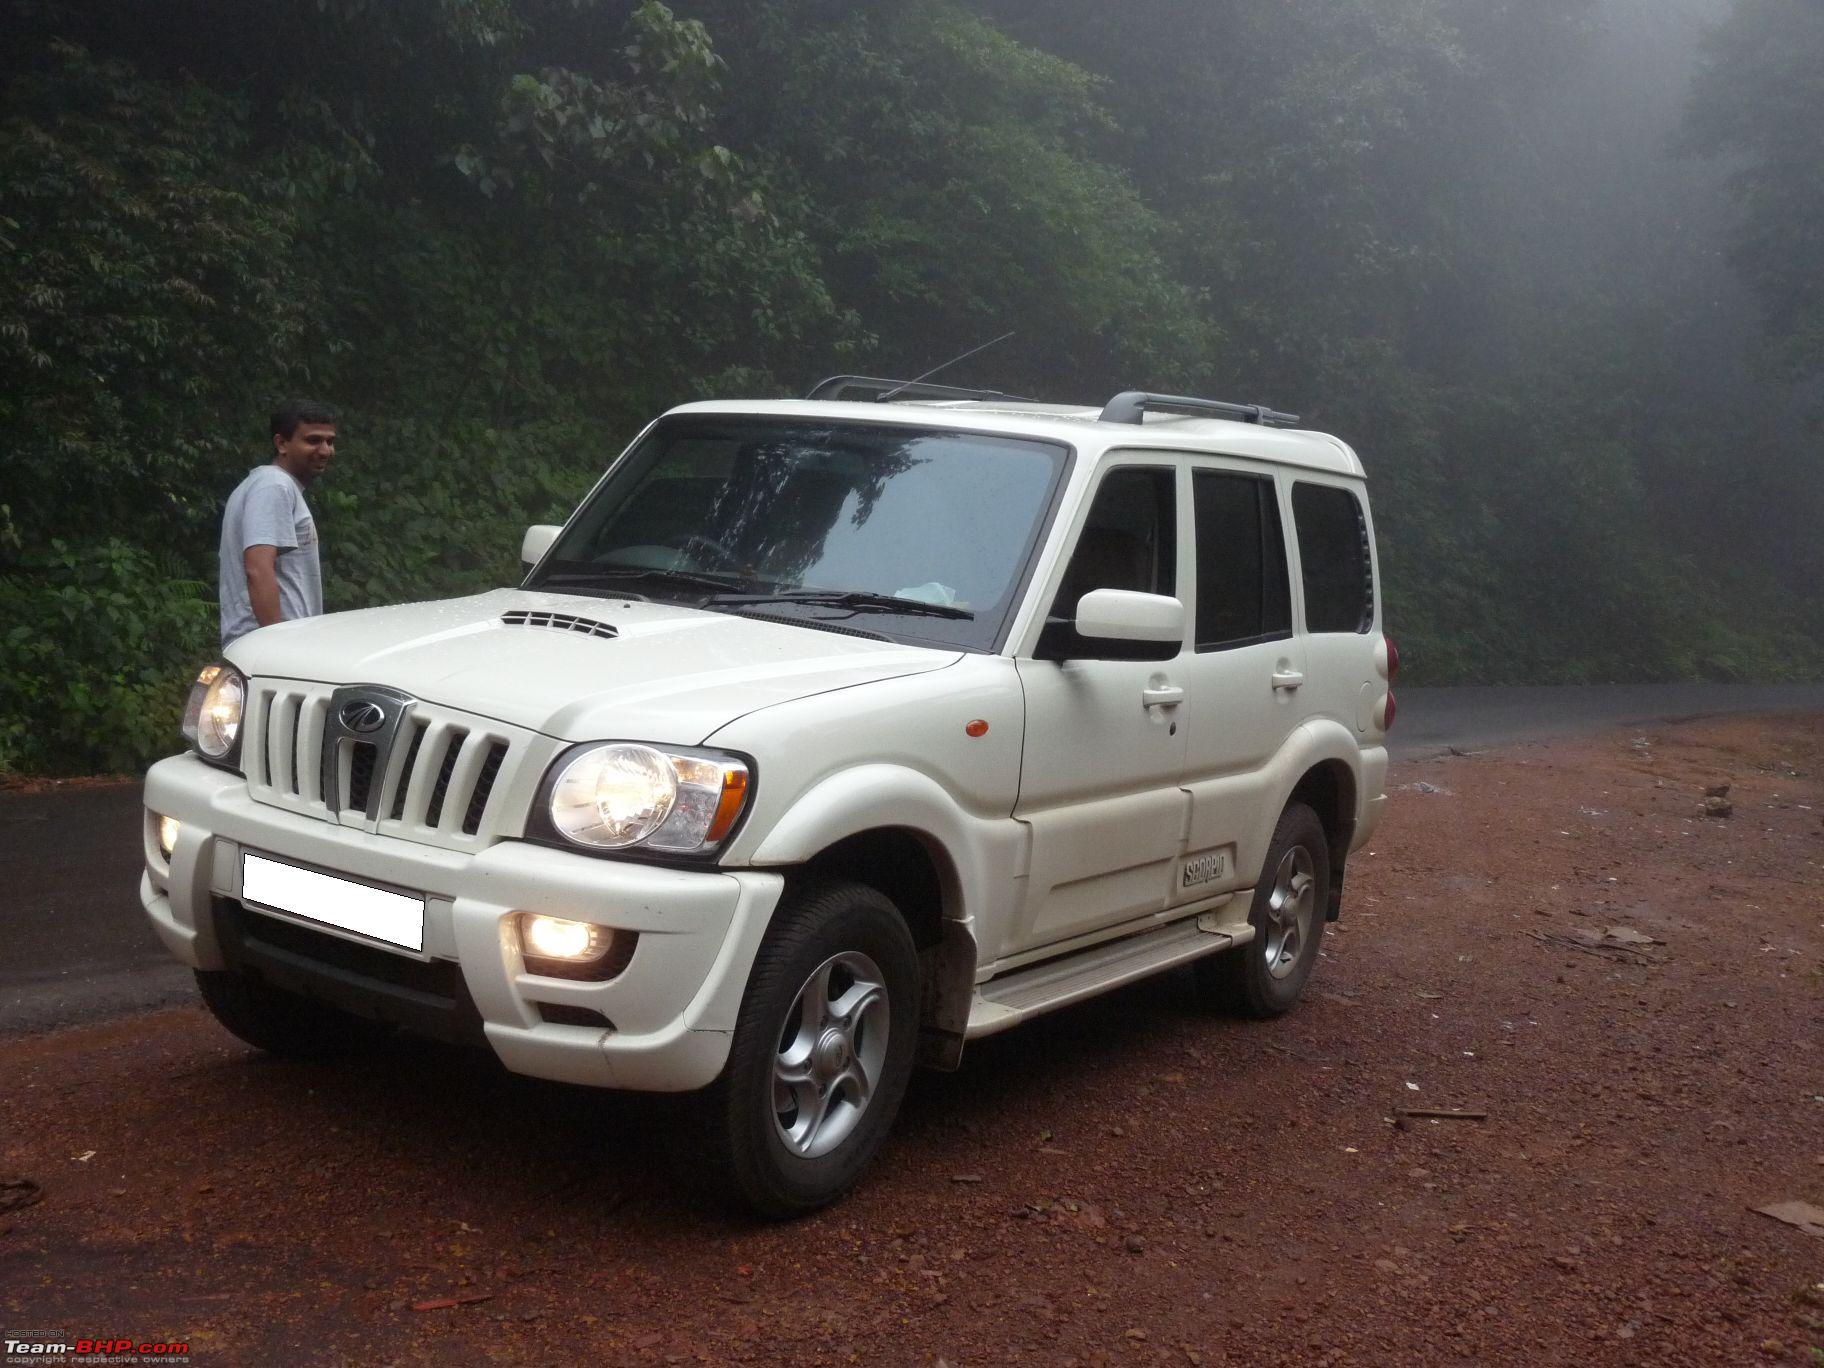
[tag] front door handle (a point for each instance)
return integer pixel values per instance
(1162, 695)
(1287, 679)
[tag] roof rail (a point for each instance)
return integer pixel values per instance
(1132, 405)
(873, 389)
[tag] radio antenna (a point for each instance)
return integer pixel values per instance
(900, 389)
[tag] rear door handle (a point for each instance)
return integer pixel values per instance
(1162, 695)
(1287, 679)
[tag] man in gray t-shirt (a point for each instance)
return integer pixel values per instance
(269, 566)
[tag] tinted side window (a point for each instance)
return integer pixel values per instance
(1244, 592)
(1333, 554)
(1130, 540)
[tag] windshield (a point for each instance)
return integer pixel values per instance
(910, 533)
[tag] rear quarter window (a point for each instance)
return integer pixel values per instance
(1334, 559)
(1243, 594)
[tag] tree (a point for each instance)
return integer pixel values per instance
(957, 187)
(1759, 102)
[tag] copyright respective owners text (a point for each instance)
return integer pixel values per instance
(94, 1349)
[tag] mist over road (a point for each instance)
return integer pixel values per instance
(1432, 720)
(79, 948)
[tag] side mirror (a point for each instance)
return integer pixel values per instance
(1116, 624)
(537, 541)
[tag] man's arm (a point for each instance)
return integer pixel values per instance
(262, 566)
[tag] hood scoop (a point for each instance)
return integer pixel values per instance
(561, 622)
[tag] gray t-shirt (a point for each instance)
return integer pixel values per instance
(268, 509)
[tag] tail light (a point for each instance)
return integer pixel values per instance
(1388, 666)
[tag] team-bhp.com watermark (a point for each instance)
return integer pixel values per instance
(111, 1349)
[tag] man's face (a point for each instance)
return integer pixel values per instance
(306, 453)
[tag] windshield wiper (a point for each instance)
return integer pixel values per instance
(604, 575)
(855, 600)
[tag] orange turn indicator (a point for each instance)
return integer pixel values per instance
(734, 796)
(977, 728)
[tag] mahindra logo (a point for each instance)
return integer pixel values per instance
(364, 720)
(363, 715)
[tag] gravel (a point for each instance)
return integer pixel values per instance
(1135, 1180)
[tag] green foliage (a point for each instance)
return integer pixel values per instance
(390, 535)
(619, 130)
(500, 235)
(99, 645)
(958, 190)
(146, 291)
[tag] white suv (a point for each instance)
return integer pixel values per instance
(824, 737)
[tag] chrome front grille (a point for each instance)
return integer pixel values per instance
(439, 777)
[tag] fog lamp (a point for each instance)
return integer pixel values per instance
(555, 938)
(168, 828)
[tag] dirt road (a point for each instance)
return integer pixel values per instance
(1133, 1181)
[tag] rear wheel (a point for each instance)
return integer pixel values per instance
(821, 1054)
(1265, 977)
(283, 1023)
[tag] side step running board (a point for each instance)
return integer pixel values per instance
(1005, 1002)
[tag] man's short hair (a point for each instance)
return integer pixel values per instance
(295, 414)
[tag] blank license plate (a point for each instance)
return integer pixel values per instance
(342, 903)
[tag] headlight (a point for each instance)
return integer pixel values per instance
(620, 794)
(212, 717)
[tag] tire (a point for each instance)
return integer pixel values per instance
(282, 1023)
(1263, 979)
(830, 1020)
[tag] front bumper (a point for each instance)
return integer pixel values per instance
(668, 1016)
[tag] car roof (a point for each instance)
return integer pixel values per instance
(1079, 426)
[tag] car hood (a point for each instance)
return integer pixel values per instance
(666, 673)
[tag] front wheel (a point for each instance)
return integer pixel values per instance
(1265, 977)
(821, 1054)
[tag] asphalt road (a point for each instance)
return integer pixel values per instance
(1431, 721)
(77, 947)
